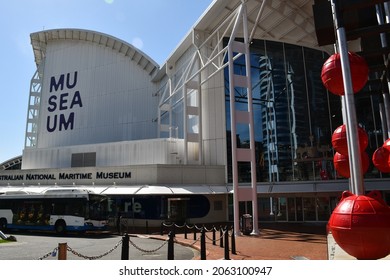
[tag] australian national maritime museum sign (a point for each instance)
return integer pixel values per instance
(49, 177)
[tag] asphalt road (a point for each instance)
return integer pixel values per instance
(34, 246)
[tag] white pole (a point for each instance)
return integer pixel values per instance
(355, 164)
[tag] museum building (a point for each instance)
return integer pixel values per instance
(102, 115)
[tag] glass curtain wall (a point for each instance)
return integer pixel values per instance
(294, 115)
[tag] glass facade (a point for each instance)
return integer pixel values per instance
(294, 116)
(295, 208)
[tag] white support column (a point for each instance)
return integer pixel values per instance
(243, 117)
(356, 182)
(251, 125)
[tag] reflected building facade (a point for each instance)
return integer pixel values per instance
(295, 115)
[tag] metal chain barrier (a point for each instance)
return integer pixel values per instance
(147, 251)
(208, 229)
(184, 225)
(50, 254)
(190, 227)
(167, 225)
(224, 238)
(217, 239)
(198, 228)
(93, 257)
(193, 243)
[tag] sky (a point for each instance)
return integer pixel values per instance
(154, 26)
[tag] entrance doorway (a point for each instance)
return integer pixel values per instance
(177, 210)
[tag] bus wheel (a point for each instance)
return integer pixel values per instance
(60, 226)
(3, 224)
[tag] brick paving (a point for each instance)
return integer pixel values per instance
(275, 242)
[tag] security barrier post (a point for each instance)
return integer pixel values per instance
(194, 232)
(125, 247)
(233, 242)
(171, 246)
(226, 244)
(62, 247)
(220, 237)
(202, 244)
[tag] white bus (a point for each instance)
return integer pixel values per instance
(57, 209)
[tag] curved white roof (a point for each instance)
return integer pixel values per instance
(39, 41)
(289, 21)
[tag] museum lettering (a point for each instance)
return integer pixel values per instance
(113, 175)
(75, 176)
(11, 177)
(66, 176)
(61, 103)
(40, 177)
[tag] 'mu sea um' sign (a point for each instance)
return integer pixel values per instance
(63, 99)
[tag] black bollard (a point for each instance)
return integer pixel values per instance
(202, 244)
(226, 244)
(185, 230)
(220, 237)
(174, 229)
(161, 229)
(233, 242)
(171, 255)
(125, 247)
(214, 241)
(195, 232)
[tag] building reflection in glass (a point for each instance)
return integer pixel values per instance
(294, 115)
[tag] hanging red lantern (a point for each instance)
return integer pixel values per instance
(341, 164)
(339, 139)
(360, 225)
(332, 76)
(380, 159)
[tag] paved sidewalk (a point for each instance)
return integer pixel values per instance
(275, 242)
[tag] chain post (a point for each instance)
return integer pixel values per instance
(233, 241)
(125, 247)
(62, 249)
(226, 244)
(194, 232)
(202, 244)
(171, 246)
(220, 237)
(214, 237)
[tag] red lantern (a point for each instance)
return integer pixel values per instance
(339, 139)
(341, 164)
(361, 225)
(380, 159)
(332, 77)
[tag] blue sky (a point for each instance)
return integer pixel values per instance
(154, 26)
